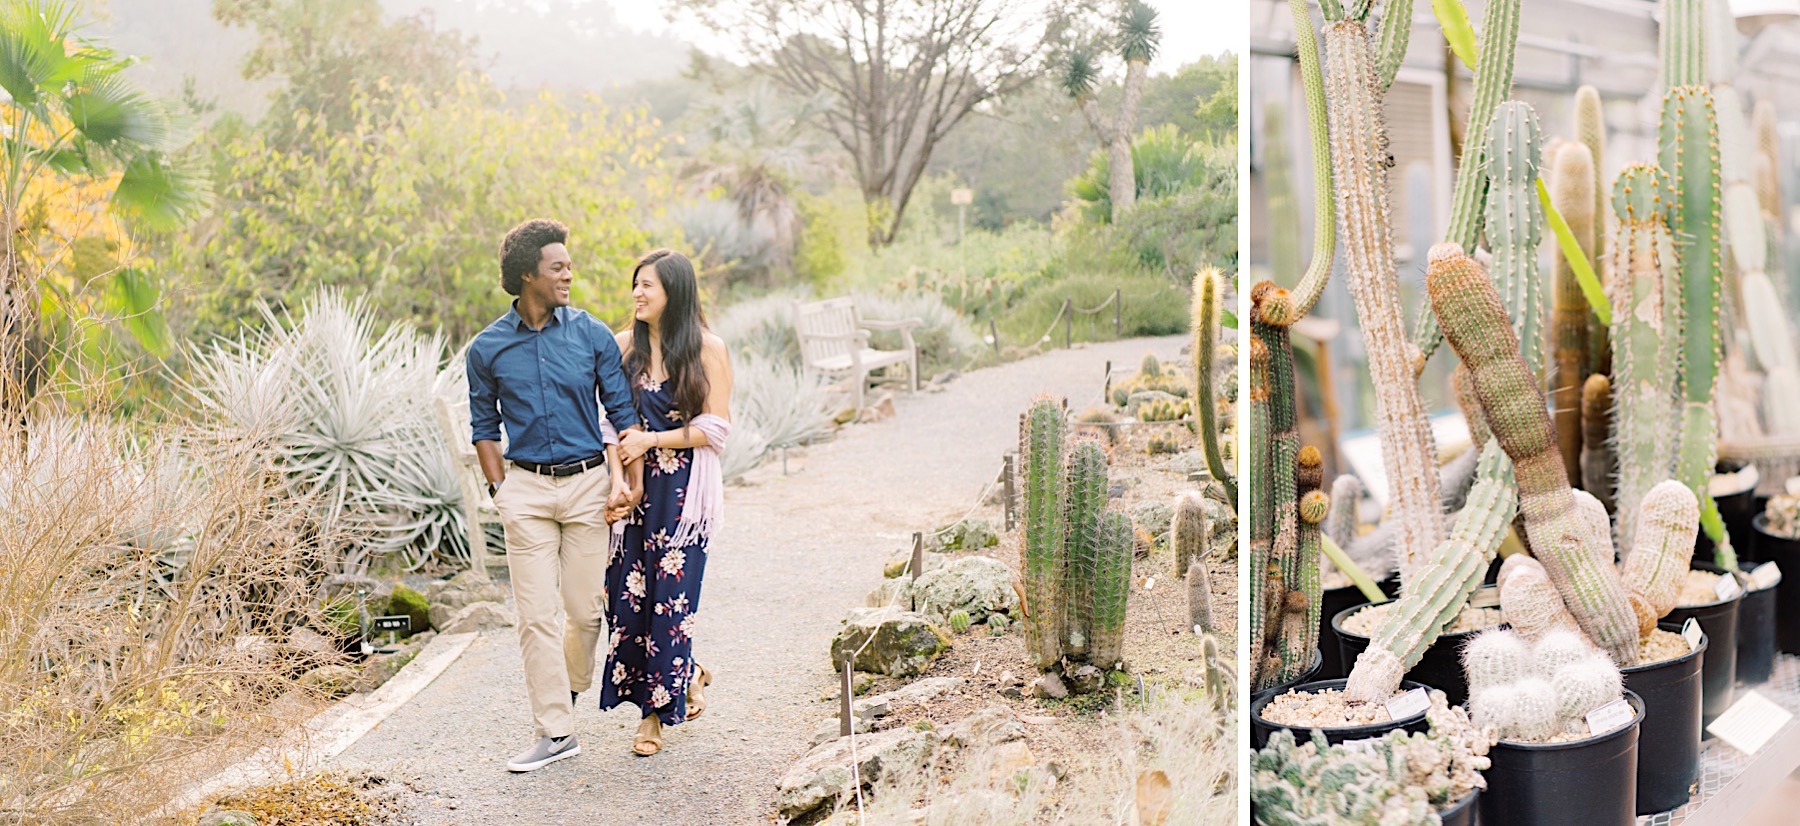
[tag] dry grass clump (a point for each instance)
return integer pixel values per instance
(1172, 763)
(153, 589)
(322, 799)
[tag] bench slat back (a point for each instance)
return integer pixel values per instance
(836, 317)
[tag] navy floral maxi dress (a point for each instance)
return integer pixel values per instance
(654, 589)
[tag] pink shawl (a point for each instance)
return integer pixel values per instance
(705, 498)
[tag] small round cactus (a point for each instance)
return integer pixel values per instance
(959, 621)
(1535, 691)
(1495, 657)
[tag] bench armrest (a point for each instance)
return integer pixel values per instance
(902, 324)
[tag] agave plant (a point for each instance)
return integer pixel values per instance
(346, 415)
(774, 404)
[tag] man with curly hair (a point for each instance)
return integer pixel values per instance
(551, 375)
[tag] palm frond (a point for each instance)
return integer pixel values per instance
(32, 54)
(1080, 73)
(160, 189)
(1139, 33)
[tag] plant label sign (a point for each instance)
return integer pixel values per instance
(1691, 632)
(1766, 576)
(1406, 705)
(399, 623)
(1750, 722)
(1613, 715)
(1485, 598)
(1726, 587)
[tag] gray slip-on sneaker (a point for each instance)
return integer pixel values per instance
(546, 751)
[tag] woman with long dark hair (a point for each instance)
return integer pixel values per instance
(680, 377)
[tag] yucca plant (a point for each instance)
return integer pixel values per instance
(346, 414)
(1136, 39)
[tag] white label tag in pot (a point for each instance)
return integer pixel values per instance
(1691, 632)
(1726, 587)
(1750, 722)
(1406, 705)
(1766, 576)
(1610, 716)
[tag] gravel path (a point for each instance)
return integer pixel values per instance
(793, 555)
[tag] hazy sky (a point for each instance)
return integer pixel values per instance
(1191, 28)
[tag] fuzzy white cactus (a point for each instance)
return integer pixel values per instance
(1536, 691)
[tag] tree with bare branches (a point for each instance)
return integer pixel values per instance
(901, 73)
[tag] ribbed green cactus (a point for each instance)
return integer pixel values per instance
(1265, 580)
(1300, 617)
(1688, 138)
(1535, 691)
(1646, 336)
(1596, 442)
(1111, 587)
(1683, 46)
(1571, 191)
(1515, 221)
(1341, 523)
(1477, 328)
(1433, 599)
(1669, 518)
(1084, 502)
(1209, 298)
(1200, 613)
(1042, 431)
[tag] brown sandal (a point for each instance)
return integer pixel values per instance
(649, 736)
(696, 702)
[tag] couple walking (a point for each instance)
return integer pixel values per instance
(613, 486)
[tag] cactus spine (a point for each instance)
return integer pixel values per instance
(1571, 192)
(1645, 318)
(1476, 328)
(1209, 297)
(1433, 600)
(1042, 431)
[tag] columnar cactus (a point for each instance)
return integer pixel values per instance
(1085, 501)
(1668, 522)
(1476, 327)
(1111, 587)
(1209, 297)
(1515, 221)
(1528, 600)
(1042, 431)
(1533, 692)
(1189, 530)
(1768, 148)
(1596, 444)
(1646, 338)
(1590, 130)
(1434, 598)
(1341, 523)
(1571, 191)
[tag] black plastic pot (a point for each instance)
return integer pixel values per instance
(1718, 674)
(1333, 601)
(1591, 782)
(1260, 729)
(1756, 633)
(1462, 812)
(1669, 742)
(1737, 509)
(1306, 676)
(1440, 667)
(1786, 553)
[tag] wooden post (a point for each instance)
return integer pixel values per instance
(1106, 390)
(1118, 312)
(994, 333)
(845, 718)
(918, 560)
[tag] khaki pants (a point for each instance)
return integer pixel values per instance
(556, 551)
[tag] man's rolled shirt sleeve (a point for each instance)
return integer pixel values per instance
(484, 400)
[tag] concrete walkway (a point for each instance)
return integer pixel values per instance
(793, 555)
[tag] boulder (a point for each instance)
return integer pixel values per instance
(1152, 516)
(828, 729)
(1051, 687)
(890, 592)
(826, 774)
(227, 817)
(1086, 679)
(479, 616)
(903, 643)
(972, 534)
(413, 604)
(977, 584)
(452, 595)
(991, 726)
(330, 680)
(914, 693)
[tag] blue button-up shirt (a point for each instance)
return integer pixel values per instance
(542, 384)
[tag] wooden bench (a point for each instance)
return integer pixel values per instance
(834, 341)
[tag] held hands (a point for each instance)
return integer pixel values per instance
(636, 443)
(623, 500)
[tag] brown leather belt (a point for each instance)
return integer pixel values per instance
(568, 469)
